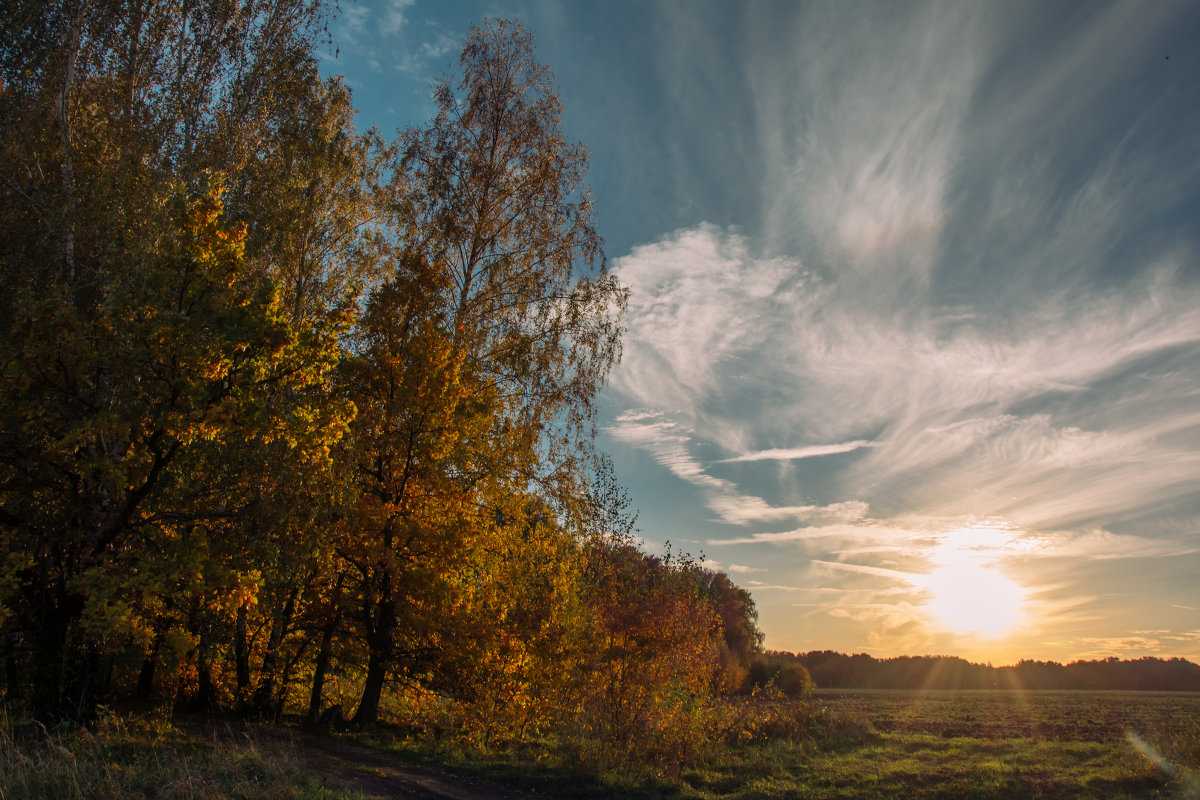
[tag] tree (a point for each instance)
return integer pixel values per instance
(143, 354)
(409, 447)
(656, 652)
(741, 640)
(282, 403)
(482, 355)
(493, 191)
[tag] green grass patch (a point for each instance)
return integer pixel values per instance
(907, 745)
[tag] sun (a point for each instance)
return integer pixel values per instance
(969, 595)
(972, 599)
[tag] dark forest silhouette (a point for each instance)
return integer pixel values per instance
(831, 670)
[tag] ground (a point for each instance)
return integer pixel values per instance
(344, 765)
(380, 776)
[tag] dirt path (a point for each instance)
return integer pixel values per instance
(382, 777)
(344, 765)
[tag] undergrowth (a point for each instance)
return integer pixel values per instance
(146, 757)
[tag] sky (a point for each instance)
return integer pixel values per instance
(913, 340)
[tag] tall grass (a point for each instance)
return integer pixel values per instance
(133, 757)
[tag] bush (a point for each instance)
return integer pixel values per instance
(789, 677)
(794, 681)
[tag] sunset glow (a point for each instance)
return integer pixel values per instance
(969, 593)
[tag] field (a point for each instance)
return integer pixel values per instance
(841, 744)
(916, 745)
(986, 744)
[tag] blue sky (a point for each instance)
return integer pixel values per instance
(913, 345)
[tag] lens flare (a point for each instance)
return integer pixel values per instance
(1150, 751)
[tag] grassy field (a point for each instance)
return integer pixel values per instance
(976, 744)
(841, 744)
(914, 745)
(973, 744)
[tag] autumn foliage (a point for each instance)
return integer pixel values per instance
(298, 420)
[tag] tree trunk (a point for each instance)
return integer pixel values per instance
(368, 705)
(324, 654)
(241, 654)
(382, 633)
(145, 684)
(265, 699)
(318, 682)
(87, 680)
(12, 665)
(205, 698)
(53, 625)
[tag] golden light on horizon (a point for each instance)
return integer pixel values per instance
(969, 595)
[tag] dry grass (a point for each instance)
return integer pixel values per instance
(133, 757)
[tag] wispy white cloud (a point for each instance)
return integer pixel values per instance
(795, 453)
(1105, 646)
(759, 586)
(740, 569)
(668, 442)
(352, 27)
(421, 60)
(830, 535)
(950, 292)
(378, 33)
(394, 16)
(701, 306)
(864, 131)
(865, 570)
(844, 592)
(1052, 422)
(1102, 545)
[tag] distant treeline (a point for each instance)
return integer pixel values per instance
(830, 670)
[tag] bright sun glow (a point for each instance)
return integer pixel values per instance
(969, 595)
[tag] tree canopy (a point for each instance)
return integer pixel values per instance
(294, 416)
